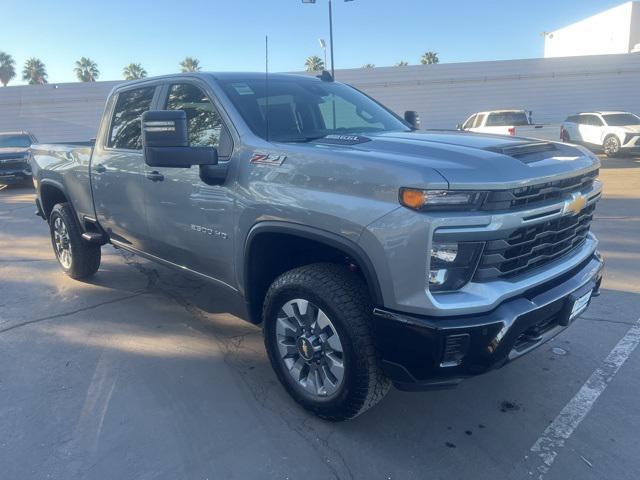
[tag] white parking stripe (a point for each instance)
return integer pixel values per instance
(553, 438)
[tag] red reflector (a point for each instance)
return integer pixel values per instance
(512, 131)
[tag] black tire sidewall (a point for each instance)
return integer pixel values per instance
(347, 402)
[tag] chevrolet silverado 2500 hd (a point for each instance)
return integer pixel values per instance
(370, 252)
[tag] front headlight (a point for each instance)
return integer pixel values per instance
(452, 264)
(418, 199)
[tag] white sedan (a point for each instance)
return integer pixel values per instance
(615, 132)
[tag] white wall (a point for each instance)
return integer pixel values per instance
(608, 32)
(443, 94)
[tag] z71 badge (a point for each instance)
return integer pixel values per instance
(268, 159)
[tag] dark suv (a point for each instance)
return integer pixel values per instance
(14, 156)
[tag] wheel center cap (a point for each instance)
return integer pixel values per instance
(305, 348)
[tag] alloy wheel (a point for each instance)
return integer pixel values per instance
(62, 242)
(310, 348)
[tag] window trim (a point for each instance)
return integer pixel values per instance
(163, 99)
(106, 138)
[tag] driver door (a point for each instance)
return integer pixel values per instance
(190, 222)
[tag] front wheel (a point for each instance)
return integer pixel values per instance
(611, 146)
(317, 332)
(77, 257)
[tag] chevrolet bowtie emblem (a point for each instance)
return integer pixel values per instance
(575, 204)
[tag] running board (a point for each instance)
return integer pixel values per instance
(93, 237)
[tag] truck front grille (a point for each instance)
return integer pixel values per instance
(530, 247)
(534, 195)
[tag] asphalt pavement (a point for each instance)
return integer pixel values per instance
(143, 373)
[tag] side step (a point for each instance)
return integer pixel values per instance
(93, 237)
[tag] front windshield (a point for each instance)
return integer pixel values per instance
(621, 119)
(301, 109)
(15, 141)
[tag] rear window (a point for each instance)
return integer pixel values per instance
(15, 141)
(126, 130)
(621, 119)
(510, 119)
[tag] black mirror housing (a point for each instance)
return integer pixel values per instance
(412, 118)
(165, 141)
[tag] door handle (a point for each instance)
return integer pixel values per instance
(155, 176)
(99, 168)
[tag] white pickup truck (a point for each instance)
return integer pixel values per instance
(509, 122)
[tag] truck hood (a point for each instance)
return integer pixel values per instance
(474, 161)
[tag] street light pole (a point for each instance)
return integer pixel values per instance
(331, 38)
(330, 30)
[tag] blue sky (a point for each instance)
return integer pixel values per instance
(229, 34)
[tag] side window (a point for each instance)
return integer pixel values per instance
(204, 122)
(126, 131)
(479, 120)
(596, 122)
(469, 122)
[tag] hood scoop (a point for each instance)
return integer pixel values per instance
(526, 152)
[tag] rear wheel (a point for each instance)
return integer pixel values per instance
(611, 146)
(318, 336)
(77, 257)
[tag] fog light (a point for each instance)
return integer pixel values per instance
(455, 349)
(451, 264)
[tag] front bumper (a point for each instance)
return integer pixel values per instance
(15, 173)
(416, 350)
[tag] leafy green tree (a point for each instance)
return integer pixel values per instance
(429, 58)
(134, 71)
(368, 65)
(7, 68)
(314, 64)
(34, 72)
(402, 63)
(86, 70)
(190, 64)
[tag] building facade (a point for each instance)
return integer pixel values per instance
(444, 94)
(613, 31)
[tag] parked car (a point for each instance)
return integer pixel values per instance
(510, 122)
(14, 156)
(372, 253)
(614, 132)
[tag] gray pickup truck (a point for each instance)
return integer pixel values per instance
(372, 253)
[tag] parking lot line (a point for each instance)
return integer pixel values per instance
(545, 449)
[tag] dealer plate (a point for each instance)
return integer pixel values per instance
(580, 305)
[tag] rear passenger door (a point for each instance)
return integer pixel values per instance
(191, 223)
(117, 168)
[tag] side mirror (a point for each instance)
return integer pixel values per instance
(165, 141)
(412, 118)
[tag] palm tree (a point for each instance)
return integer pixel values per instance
(429, 58)
(133, 71)
(314, 64)
(34, 71)
(402, 63)
(7, 68)
(368, 65)
(190, 64)
(87, 70)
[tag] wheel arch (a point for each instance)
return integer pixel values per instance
(51, 193)
(257, 276)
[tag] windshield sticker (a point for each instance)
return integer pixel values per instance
(242, 89)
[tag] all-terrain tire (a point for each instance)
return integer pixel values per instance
(83, 258)
(343, 297)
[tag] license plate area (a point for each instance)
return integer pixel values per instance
(576, 304)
